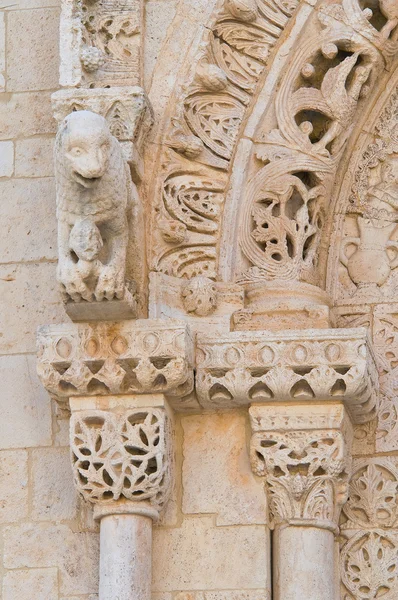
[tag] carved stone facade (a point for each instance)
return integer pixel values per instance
(211, 261)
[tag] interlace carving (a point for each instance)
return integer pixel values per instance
(315, 108)
(128, 357)
(204, 132)
(306, 472)
(241, 368)
(122, 455)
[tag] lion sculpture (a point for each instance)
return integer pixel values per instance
(94, 204)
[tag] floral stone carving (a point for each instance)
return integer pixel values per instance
(126, 455)
(309, 365)
(149, 356)
(306, 465)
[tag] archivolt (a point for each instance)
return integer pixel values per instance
(254, 143)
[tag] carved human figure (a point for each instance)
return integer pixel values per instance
(94, 198)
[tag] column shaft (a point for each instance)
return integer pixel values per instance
(303, 559)
(125, 557)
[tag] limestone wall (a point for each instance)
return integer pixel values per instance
(212, 542)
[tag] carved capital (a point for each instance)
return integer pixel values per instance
(304, 455)
(131, 357)
(122, 455)
(327, 365)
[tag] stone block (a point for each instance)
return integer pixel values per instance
(222, 595)
(47, 545)
(32, 49)
(25, 115)
(34, 157)
(24, 405)
(28, 298)
(31, 584)
(13, 486)
(29, 220)
(54, 495)
(199, 556)
(217, 477)
(159, 15)
(6, 159)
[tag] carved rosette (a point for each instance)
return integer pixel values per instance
(131, 357)
(304, 456)
(122, 456)
(327, 365)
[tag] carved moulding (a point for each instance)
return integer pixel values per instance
(300, 143)
(303, 452)
(130, 357)
(330, 365)
(203, 131)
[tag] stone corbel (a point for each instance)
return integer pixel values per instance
(305, 391)
(115, 377)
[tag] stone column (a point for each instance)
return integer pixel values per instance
(122, 463)
(303, 452)
(117, 379)
(304, 389)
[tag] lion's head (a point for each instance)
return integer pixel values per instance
(85, 142)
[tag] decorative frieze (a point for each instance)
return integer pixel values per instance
(303, 453)
(140, 357)
(327, 365)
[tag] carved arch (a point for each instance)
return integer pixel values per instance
(274, 96)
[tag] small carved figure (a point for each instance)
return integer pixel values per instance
(94, 199)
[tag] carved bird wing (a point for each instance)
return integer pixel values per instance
(333, 88)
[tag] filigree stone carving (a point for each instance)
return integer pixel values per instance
(370, 566)
(241, 368)
(369, 248)
(95, 198)
(284, 209)
(204, 130)
(126, 455)
(101, 43)
(373, 495)
(141, 357)
(306, 469)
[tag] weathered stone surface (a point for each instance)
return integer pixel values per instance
(31, 584)
(34, 157)
(24, 405)
(54, 496)
(6, 159)
(28, 219)
(25, 114)
(222, 595)
(28, 297)
(32, 50)
(13, 485)
(224, 557)
(48, 545)
(217, 476)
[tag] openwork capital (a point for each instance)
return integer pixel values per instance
(124, 457)
(304, 454)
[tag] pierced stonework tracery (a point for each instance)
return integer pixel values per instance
(125, 455)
